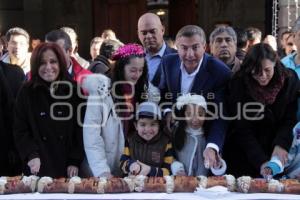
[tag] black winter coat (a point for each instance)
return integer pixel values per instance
(46, 127)
(100, 65)
(11, 78)
(250, 143)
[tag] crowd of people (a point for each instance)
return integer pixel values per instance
(229, 105)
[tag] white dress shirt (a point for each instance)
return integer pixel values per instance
(188, 79)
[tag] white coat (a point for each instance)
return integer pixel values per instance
(102, 132)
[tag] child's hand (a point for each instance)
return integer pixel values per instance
(106, 175)
(181, 173)
(135, 168)
(177, 168)
(145, 169)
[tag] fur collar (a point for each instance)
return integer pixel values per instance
(97, 84)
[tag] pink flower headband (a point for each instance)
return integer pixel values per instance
(128, 50)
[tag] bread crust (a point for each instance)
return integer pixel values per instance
(216, 181)
(155, 184)
(87, 186)
(185, 183)
(116, 185)
(59, 185)
(291, 186)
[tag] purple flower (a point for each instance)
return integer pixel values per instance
(128, 50)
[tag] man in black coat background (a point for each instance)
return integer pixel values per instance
(11, 79)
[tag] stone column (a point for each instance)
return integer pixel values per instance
(33, 18)
(287, 14)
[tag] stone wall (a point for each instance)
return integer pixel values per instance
(287, 16)
(241, 13)
(40, 16)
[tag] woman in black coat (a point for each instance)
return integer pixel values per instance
(46, 131)
(263, 103)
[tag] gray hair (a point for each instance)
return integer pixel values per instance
(17, 31)
(69, 31)
(222, 29)
(253, 33)
(96, 40)
(296, 27)
(107, 32)
(191, 30)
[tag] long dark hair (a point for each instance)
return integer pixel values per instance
(179, 134)
(36, 61)
(118, 74)
(252, 62)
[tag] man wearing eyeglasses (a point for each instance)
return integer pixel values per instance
(151, 32)
(194, 71)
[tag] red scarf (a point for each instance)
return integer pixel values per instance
(265, 94)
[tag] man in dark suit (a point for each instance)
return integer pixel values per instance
(194, 71)
(151, 32)
(11, 79)
(62, 38)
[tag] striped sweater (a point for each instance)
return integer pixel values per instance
(157, 153)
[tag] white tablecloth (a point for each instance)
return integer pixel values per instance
(215, 193)
(175, 196)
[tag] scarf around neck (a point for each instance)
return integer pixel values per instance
(265, 94)
(192, 131)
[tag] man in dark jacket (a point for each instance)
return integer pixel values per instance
(194, 71)
(102, 63)
(151, 32)
(223, 42)
(61, 38)
(11, 78)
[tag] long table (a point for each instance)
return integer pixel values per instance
(215, 193)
